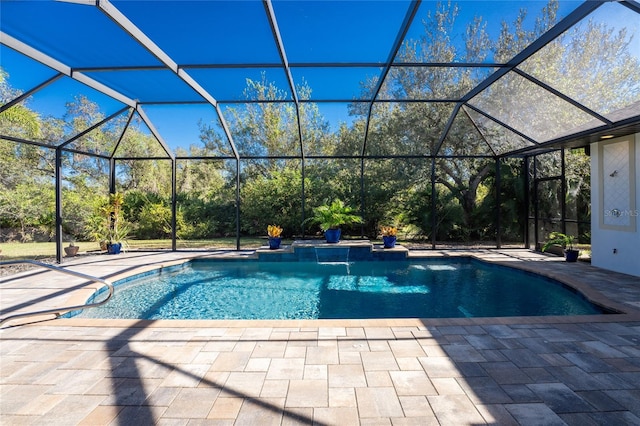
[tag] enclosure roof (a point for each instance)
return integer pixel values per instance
(174, 66)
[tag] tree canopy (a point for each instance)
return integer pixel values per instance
(292, 160)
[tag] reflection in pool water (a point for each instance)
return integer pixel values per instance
(459, 287)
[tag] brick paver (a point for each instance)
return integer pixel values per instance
(556, 370)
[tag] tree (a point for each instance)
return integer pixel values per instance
(272, 200)
(26, 188)
(26, 206)
(17, 161)
(415, 128)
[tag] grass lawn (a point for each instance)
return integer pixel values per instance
(12, 251)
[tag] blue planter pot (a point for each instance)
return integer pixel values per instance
(114, 248)
(332, 235)
(274, 242)
(571, 255)
(389, 241)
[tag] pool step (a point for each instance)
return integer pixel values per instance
(320, 251)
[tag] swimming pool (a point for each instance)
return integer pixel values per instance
(451, 288)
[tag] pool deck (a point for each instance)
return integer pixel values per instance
(527, 370)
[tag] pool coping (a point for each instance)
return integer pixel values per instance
(570, 274)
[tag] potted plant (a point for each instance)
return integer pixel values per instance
(107, 226)
(331, 216)
(566, 242)
(389, 234)
(118, 228)
(71, 250)
(274, 232)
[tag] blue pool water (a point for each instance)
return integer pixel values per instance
(309, 290)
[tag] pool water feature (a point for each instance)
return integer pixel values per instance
(332, 255)
(460, 287)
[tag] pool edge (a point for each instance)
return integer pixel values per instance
(564, 275)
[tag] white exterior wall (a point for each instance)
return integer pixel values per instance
(615, 204)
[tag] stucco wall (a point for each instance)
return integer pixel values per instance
(615, 204)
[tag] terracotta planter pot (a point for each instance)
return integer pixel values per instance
(71, 251)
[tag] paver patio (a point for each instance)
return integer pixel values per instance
(537, 370)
